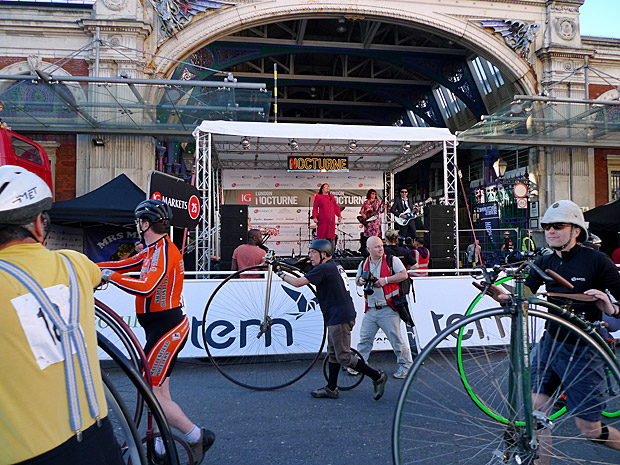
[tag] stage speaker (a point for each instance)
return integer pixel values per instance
(439, 220)
(442, 263)
(233, 231)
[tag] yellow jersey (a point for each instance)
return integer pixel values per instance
(34, 411)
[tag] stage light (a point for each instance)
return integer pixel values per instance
(245, 143)
(406, 147)
(293, 144)
(98, 142)
(352, 145)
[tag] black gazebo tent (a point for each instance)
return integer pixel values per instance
(112, 203)
(604, 221)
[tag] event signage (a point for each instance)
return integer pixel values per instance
(489, 216)
(183, 198)
(318, 164)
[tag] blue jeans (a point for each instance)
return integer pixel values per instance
(388, 320)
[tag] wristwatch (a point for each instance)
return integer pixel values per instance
(106, 275)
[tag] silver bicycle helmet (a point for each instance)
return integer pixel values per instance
(322, 245)
(23, 195)
(153, 211)
(565, 211)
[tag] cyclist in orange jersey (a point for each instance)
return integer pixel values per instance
(159, 307)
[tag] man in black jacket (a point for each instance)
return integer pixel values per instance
(402, 209)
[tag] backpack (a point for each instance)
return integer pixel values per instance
(404, 286)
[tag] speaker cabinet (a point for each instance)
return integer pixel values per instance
(439, 220)
(233, 231)
(442, 263)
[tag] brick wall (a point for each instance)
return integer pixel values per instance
(596, 90)
(65, 163)
(601, 181)
(73, 67)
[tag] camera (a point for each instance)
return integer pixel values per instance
(370, 281)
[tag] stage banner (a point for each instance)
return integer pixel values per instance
(280, 204)
(109, 244)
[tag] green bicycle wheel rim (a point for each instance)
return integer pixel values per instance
(468, 388)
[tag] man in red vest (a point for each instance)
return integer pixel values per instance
(380, 312)
(422, 256)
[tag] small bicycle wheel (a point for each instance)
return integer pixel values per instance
(123, 426)
(255, 352)
(348, 379)
(183, 449)
(436, 421)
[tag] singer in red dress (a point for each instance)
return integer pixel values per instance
(324, 211)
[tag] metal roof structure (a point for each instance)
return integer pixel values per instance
(549, 121)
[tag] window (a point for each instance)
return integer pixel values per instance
(614, 185)
(482, 76)
(26, 151)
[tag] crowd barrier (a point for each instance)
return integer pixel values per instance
(439, 302)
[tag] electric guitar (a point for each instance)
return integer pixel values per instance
(366, 218)
(411, 215)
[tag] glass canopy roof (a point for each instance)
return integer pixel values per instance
(545, 121)
(126, 106)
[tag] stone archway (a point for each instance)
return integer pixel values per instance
(454, 20)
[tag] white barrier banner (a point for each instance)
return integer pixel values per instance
(226, 332)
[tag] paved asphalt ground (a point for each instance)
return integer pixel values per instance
(288, 426)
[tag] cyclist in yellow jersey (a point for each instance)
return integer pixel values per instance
(36, 423)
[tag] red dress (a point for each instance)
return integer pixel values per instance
(325, 210)
(373, 228)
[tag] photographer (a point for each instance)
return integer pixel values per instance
(380, 287)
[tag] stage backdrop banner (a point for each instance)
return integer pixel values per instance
(196, 295)
(281, 203)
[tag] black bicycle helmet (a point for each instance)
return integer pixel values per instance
(153, 211)
(322, 245)
(23, 195)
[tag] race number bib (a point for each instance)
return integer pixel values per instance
(43, 337)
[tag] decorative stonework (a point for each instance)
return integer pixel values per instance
(115, 5)
(517, 34)
(568, 66)
(174, 15)
(566, 28)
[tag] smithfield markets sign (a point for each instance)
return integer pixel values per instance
(318, 164)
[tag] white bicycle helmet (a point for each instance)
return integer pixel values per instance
(23, 195)
(565, 211)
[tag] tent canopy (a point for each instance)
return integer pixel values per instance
(112, 203)
(240, 144)
(604, 218)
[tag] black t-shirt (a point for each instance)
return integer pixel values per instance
(405, 255)
(333, 293)
(585, 269)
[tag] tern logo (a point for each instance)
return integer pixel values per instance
(303, 305)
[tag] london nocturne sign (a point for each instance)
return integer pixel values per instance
(318, 164)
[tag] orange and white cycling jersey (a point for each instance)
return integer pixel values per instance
(160, 284)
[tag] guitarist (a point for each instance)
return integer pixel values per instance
(401, 207)
(369, 216)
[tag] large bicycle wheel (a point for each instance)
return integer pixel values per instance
(114, 333)
(123, 426)
(612, 407)
(249, 352)
(436, 421)
(349, 378)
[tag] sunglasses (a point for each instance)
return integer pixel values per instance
(555, 226)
